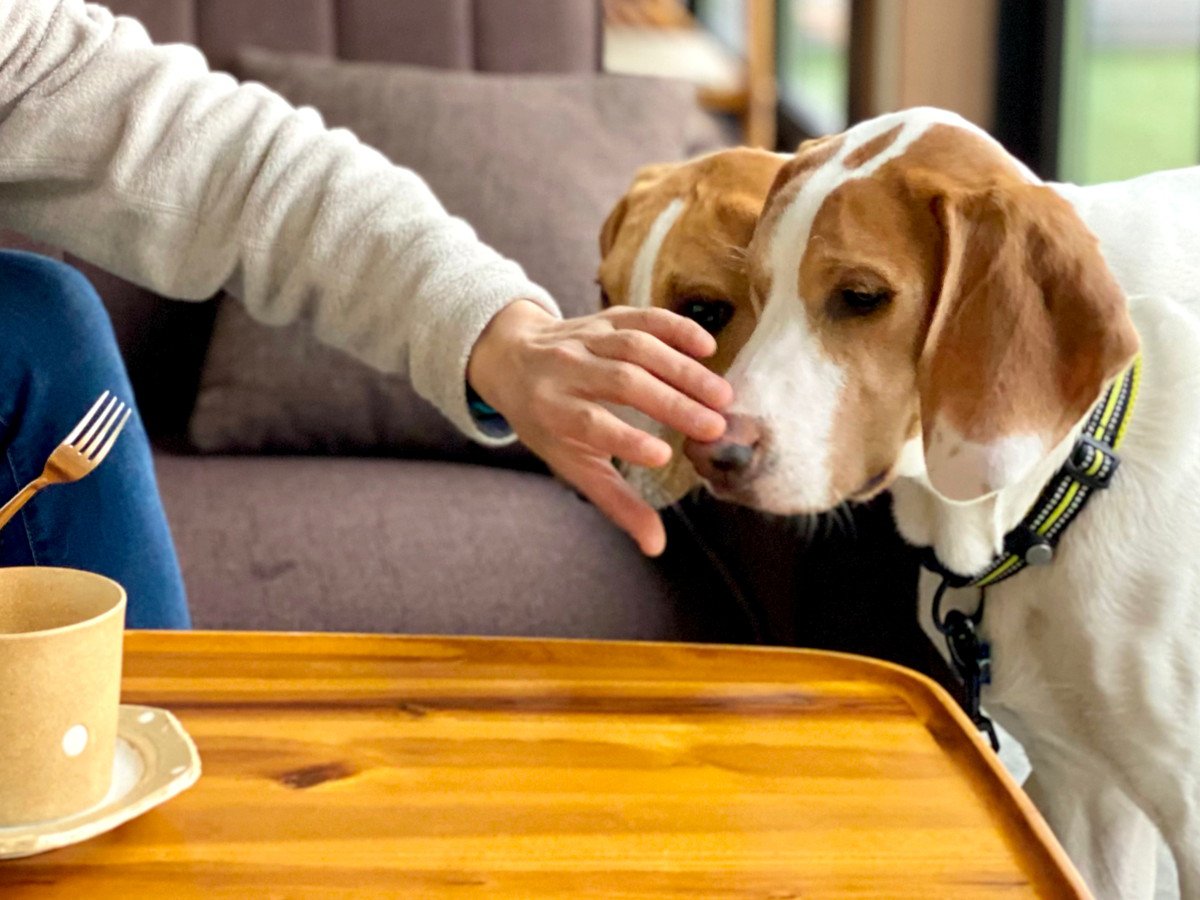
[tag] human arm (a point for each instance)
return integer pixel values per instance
(137, 158)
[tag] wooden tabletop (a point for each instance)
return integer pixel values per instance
(351, 766)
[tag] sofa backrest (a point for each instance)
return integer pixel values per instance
(164, 341)
(486, 35)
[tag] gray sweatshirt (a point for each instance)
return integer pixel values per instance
(139, 159)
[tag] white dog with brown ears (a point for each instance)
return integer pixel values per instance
(935, 320)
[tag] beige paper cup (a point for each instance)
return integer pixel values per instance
(60, 687)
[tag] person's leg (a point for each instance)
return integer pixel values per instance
(57, 355)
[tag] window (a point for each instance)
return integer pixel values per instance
(726, 19)
(1131, 88)
(811, 56)
(813, 47)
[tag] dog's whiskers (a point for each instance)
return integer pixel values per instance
(843, 516)
(804, 525)
(736, 256)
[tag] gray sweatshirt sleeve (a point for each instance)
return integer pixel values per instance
(137, 158)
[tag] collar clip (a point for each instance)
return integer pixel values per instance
(1083, 457)
(1024, 542)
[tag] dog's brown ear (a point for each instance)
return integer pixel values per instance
(1027, 327)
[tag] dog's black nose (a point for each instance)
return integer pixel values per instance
(731, 457)
(728, 462)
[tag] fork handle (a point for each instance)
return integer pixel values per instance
(23, 496)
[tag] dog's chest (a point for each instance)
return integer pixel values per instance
(1039, 651)
(1102, 646)
(1106, 640)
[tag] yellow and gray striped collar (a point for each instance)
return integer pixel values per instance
(1089, 468)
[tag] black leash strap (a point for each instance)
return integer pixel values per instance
(970, 656)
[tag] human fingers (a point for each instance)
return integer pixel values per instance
(671, 328)
(597, 480)
(630, 385)
(666, 363)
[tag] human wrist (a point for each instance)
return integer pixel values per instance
(489, 367)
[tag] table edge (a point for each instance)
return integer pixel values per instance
(928, 700)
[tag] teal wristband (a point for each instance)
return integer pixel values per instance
(489, 420)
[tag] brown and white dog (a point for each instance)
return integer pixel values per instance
(937, 321)
(677, 240)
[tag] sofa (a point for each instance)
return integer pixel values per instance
(358, 529)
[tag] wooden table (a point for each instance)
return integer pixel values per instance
(349, 766)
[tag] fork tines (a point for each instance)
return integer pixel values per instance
(102, 427)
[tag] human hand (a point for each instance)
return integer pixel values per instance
(549, 378)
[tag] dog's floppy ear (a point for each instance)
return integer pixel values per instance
(1027, 327)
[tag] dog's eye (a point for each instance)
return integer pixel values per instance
(711, 315)
(861, 302)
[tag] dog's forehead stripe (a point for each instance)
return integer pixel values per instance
(641, 279)
(868, 150)
(912, 124)
(908, 129)
(793, 227)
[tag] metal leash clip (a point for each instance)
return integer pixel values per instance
(970, 656)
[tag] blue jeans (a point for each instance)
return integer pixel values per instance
(57, 355)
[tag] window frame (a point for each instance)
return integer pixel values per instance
(793, 123)
(1028, 82)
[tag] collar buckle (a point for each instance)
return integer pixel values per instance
(1033, 548)
(1082, 461)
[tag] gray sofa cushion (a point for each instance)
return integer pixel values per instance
(533, 162)
(164, 341)
(411, 547)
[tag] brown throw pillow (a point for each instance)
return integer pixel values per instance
(533, 162)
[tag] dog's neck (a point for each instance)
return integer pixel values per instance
(967, 536)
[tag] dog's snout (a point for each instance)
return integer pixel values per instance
(728, 462)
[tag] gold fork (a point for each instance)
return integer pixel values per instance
(79, 453)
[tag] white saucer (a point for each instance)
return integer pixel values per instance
(155, 760)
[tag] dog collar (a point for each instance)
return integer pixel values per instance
(1089, 468)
